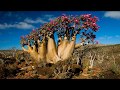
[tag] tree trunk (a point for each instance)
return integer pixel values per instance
(33, 53)
(62, 46)
(42, 50)
(69, 49)
(52, 56)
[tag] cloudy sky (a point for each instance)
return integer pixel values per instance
(17, 23)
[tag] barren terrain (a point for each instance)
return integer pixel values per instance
(87, 62)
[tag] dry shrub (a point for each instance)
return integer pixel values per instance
(2, 71)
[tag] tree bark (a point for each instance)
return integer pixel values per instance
(51, 55)
(42, 50)
(33, 53)
(62, 46)
(69, 49)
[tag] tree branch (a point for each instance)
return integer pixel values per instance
(24, 49)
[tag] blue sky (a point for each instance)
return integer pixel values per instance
(14, 24)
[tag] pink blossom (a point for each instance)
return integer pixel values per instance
(33, 30)
(55, 23)
(90, 19)
(95, 29)
(26, 36)
(88, 15)
(85, 23)
(96, 18)
(69, 21)
(51, 22)
(48, 28)
(88, 24)
(64, 18)
(82, 26)
(76, 21)
(94, 21)
(94, 24)
(22, 37)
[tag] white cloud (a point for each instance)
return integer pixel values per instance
(117, 36)
(20, 25)
(38, 20)
(52, 18)
(113, 14)
(26, 23)
(49, 17)
(23, 25)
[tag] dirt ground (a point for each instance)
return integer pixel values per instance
(106, 65)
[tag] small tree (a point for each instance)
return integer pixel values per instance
(13, 49)
(41, 42)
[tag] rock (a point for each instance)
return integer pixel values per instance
(45, 71)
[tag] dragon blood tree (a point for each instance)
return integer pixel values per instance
(41, 42)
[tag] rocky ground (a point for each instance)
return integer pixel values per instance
(106, 65)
